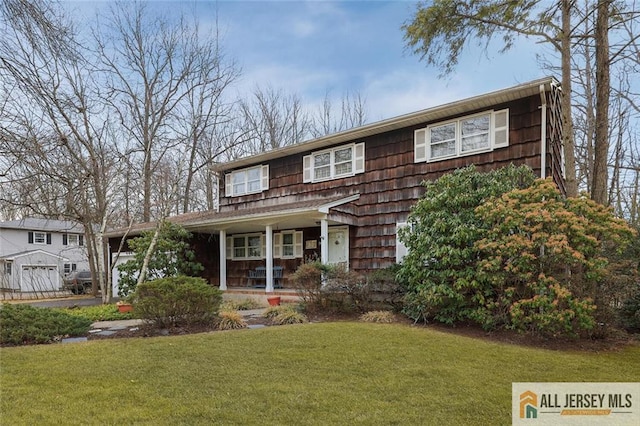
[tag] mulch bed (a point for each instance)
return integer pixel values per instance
(616, 342)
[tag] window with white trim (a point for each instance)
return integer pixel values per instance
(401, 249)
(72, 240)
(247, 181)
(287, 245)
(70, 267)
(467, 135)
(8, 267)
(248, 246)
(39, 238)
(334, 163)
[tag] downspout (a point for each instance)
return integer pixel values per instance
(543, 133)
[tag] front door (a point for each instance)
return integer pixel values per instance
(339, 245)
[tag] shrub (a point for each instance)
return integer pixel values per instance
(289, 316)
(97, 313)
(273, 311)
(629, 314)
(177, 301)
(544, 261)
(378, 316)
(240, 305)
(230, 320)
(24, 324)
(308, 278)
(440, 267)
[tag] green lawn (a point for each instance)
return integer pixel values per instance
(330, 373)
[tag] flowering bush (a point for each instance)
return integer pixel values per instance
(544, 260)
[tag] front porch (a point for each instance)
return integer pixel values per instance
(260, 296)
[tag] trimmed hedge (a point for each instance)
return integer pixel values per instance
(176, 301)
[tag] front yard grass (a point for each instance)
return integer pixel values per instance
(307, 374)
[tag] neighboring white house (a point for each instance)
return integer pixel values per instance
(36, 254)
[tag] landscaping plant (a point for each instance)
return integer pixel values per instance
(171, 257)
(230, 320)
(176, 301)
(440, 267)
(544, 261)
(23, 324)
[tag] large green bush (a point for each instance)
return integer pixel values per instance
(23, 324)
(176, 301)
(440, 267)
(172, 256)
(524, 258)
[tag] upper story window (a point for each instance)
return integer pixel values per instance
(72, 240)
(247, 181)
(342, 161)
(468, 135)
(35, 237)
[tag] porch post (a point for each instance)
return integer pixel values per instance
(223, 259)
(324, 241)
(269, 259)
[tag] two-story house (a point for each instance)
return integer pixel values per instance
(35, 254)
(341, 198)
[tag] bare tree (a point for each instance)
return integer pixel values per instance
(153, 65)
(274, 119)
(352, 114)
(61, 161)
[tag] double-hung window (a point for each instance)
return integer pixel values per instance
(35, 237)
(468, 135)
(247, 181)
(245, 246)
(287, 244)
(342, 161)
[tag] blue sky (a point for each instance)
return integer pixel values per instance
(309, 48)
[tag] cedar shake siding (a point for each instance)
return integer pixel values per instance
(392, 181)
(377, 194)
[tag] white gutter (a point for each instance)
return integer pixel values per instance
(543, 133)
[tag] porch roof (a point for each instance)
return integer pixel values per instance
(300, 214)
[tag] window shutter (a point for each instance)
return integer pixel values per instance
(501, 128)
(277, 245)
(64, 239)
(80, 240)
(307, 174)
(264, 182)
(401, 249)
(359, 158)
(229, 247)
(48, 238)
(30, 238)
(228, 187)
(420, 145)
(297, 244)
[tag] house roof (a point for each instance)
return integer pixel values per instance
(16, 255)
(36, 224)
(431, 114)
(296, 214)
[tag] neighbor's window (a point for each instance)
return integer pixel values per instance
(342, 161)
(69, 267)
(247, 181)
(39, 238)
(8, 267)
(464, 136)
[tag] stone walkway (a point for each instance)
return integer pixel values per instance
(109, 328)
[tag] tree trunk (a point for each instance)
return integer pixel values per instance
(568, 143)
(601, 152)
